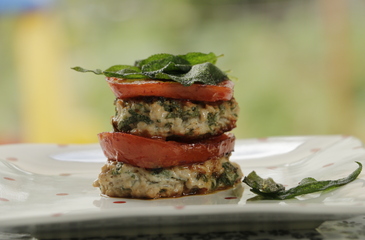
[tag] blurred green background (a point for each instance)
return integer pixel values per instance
(299, 65)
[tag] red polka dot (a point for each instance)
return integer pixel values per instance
(65, 174)
(4, 200)
(264, 139)
(8, 178)
(230, 198)
(56, 214)
(180, 207)
(62, 194)
(119, 202)
(272, 168)
(13, 159)
(327, 165)
(315, 149)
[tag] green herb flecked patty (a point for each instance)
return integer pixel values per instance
(170, 118)
(123, 180)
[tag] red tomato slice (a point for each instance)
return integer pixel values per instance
(157, 153)
(196, 92)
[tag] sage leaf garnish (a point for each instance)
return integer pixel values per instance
(185, 69)
(268, 189)
(80, 69)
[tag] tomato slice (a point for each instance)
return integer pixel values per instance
(197, 92)
(157, 153)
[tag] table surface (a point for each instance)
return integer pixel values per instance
(352, 228)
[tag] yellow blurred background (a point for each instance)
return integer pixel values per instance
(299, 64)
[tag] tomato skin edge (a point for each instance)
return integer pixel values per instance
(196, 92)
(157, 153)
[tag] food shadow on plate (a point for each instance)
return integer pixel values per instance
(229, 196)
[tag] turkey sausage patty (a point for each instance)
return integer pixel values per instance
(119, 179)
(174, 119)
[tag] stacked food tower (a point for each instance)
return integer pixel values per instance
(170, 137)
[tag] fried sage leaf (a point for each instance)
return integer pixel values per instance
(268, 189)
(186, 69)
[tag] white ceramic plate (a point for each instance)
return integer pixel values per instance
(49, 186)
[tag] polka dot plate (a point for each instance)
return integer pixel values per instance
(49, 186)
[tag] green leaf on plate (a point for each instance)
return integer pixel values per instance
(268, 189)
